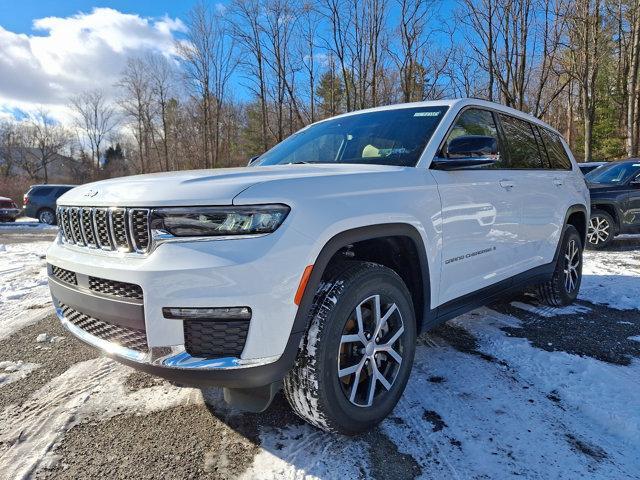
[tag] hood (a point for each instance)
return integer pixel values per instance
(603, 187)
(198, 187)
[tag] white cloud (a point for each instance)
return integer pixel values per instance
(72, 54)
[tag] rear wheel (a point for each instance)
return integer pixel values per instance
(564, 285)
(356, 357)
(47, 216)
(601, 230)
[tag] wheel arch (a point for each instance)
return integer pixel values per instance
(397, 236)
(576, 215)
(611, 209)
(44, 208)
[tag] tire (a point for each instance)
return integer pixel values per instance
(313, 387)
(47, 216)
(600, 231)
(564, 285)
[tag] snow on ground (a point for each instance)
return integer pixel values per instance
(485, 405)
(302, 451)
(89, 391)
(611, 278)
(26, 222)
(13, 371)
(24, 293)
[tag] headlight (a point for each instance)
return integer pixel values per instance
(218, 221)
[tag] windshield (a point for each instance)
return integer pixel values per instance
(615, 173)
(388, 137)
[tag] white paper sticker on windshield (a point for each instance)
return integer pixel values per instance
(426, 114)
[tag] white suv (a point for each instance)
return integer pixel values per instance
(315, 268)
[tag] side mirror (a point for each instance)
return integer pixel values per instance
(252, 160)
(635, 182)
(471, 146)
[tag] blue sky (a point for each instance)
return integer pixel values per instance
(51, 50)
(18, 15)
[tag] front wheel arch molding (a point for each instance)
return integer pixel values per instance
(348, 237)
(611, 209)
(577, 208)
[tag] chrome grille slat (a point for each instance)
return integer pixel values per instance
(125, 230)
(101, 221)
(86, 225)
(67, 225)
(76, 231)
(139, 228)
(119, 229)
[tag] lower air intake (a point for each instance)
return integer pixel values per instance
(131, 338)
(215, 339)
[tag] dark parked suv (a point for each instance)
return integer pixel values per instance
(40, 202)
(615, 201)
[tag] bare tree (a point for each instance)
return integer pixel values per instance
(96, 117)
(250, 32)
(162, 84)
(45, 140)
(12, 145)
(586, 35)
(309, 30)
(633, 82)
(136, 99)
(208, 62)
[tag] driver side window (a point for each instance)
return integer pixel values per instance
(474, 134)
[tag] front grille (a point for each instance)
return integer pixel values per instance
(111, 229)
(215, 339)
(63, 275)
(114, 288)
(124, 336)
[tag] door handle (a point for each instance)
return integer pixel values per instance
(507, 184)
(557, 182)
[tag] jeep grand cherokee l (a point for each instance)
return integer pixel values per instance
(315, 269)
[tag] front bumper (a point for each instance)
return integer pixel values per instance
(10, 213)
(176, 365)
(225, 273)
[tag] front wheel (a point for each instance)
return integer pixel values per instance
(356, 357)
(564, 285)
(600, 232)
(47, 216)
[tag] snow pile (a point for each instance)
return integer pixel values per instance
(24, 292)
(611, 278)
(303, 451)
(549, 312)
(26, 223)
(13, 371)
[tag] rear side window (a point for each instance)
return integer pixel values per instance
(42, 191)
(474, 127)
(61, 190)
(522, 145)
(558, 157)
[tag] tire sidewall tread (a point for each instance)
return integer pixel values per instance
(312, 386)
